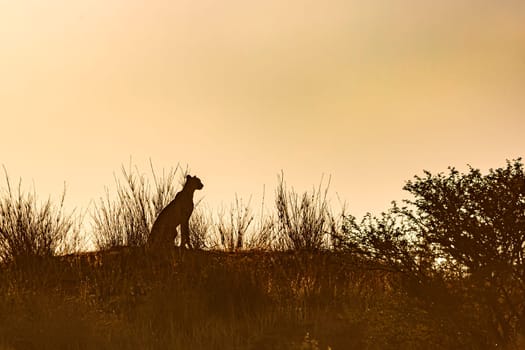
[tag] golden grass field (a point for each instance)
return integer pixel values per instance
(126, 299)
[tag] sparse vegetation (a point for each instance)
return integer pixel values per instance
(127, 219)
(444, 271)
(201, 224)
(30, 229)
(303, 221)
(233, 229)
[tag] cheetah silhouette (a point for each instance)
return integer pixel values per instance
(176, 213)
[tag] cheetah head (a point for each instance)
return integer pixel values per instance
(194, 182)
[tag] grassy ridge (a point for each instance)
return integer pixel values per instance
(124, 299)
(444, 271)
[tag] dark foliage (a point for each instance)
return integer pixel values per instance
(460, 242)
(476, 223)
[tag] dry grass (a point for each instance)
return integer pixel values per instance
(126, 219)
(304, 222)
(296, 278)
(30, 228)
(124, 299)
(298, 222)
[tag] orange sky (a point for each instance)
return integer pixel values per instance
(238, 90)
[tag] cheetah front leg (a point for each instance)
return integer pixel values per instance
(185, 235)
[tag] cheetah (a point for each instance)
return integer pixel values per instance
(177, 212)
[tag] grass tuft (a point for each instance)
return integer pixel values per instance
(30, 229)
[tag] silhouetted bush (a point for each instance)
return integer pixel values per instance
(391, 240)
(303, 221)
(233, 227)
(32, 229)
(239, 227)
(460, 242)
(476, 226)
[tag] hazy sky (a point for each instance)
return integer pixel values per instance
(369, 92)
